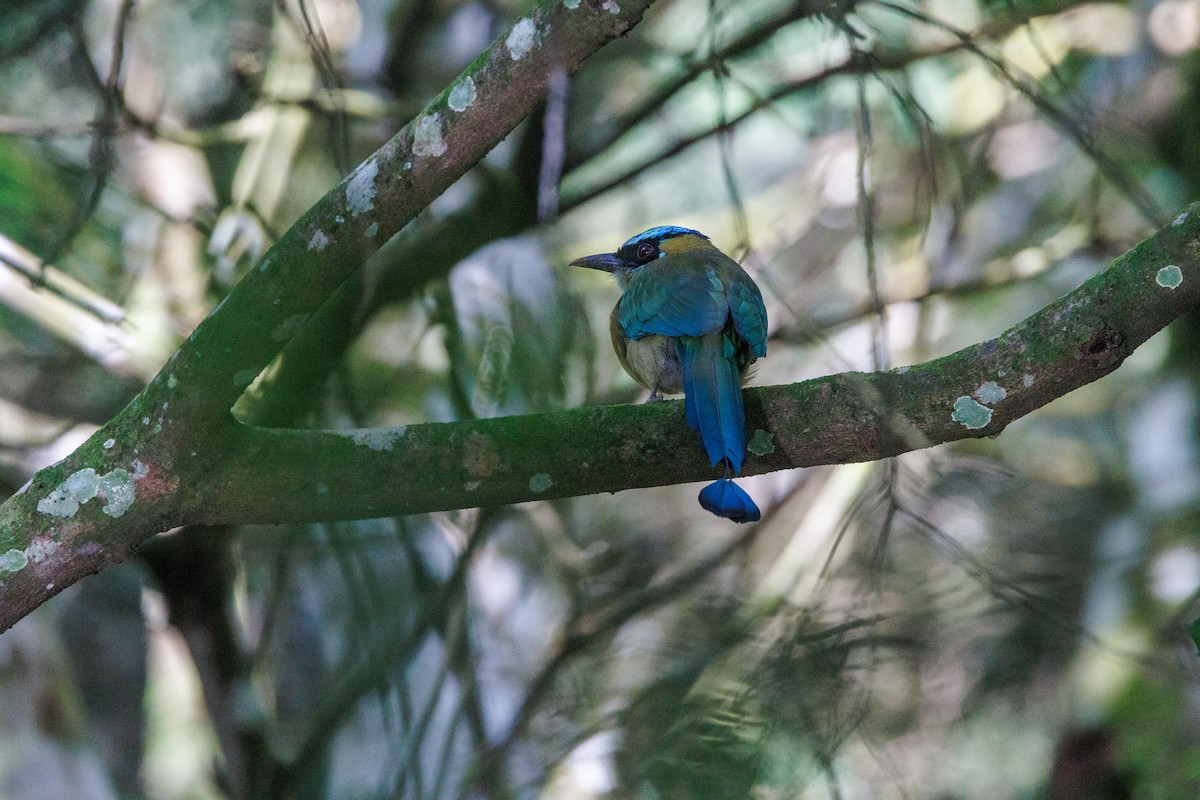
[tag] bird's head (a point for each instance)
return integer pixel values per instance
(643, 249)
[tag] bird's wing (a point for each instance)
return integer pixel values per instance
(683, 296)
(748, 313)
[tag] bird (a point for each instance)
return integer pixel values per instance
(691, 321)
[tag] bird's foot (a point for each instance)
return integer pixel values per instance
(655, 396)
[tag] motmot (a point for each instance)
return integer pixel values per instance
(691, 321)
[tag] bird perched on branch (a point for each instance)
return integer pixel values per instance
(691, 320)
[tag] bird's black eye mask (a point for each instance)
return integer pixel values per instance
(640, 254)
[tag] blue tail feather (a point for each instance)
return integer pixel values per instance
(712, 388)
(726, 499)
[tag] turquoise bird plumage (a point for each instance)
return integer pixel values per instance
(691, 321)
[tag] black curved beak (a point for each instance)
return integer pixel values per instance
(606, 262)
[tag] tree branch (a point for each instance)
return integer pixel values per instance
(175, 455)
(305, 476)
(134, 477)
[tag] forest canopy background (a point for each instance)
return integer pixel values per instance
(1001, 617)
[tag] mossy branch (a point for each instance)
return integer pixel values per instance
(175, 455)
(298, 476)
(272, 475)
(143, 470)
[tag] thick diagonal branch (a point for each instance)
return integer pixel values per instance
(175, 455)
(143, 470)
(272, 475)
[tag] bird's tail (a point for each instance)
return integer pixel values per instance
(726, 499)
(712, 388)
(712, 396)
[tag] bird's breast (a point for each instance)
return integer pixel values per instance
(652, 361)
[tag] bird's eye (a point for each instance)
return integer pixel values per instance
(645, 252)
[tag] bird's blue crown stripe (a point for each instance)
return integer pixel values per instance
(662, 232)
